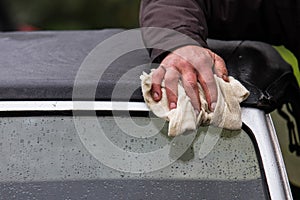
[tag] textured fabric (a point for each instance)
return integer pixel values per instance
(227, 113)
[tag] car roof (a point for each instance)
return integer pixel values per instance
(43, 65)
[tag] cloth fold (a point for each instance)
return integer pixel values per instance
(227, 113)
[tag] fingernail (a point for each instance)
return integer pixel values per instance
(172, 105)
(225, 78)
(213, 106)
(197, 112)
(155, 95)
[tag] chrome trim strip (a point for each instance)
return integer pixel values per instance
(71, 105)
(260, 124)
(274, 168)
(278, 154)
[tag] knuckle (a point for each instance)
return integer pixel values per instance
(205, 54)
(206, 75)
(190, 80)
(158, 73)
(172, 73)
(170, 79)
(171, 61)
(156, 82)
(193, 85)
(190, 76)
(184, 63)
(210, 80)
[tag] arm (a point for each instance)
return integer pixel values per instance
(190, 62)
(184, 16)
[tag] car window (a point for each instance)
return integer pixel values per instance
(117, 157)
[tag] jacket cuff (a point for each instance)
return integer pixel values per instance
(161, 44)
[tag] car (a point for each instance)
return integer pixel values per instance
(74, 125)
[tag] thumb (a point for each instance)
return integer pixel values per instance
(220, 68)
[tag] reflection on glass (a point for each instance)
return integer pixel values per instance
(51, 149)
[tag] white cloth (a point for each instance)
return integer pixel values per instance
(227, 113)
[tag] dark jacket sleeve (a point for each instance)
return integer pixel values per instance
(272, 21)
(184, 16)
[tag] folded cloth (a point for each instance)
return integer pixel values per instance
(227, 113)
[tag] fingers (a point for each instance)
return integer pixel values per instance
(171, 83)
(207, 81)
(157, 78)
(220, 68)
(189, 80)
(171, 77)
(191, 64)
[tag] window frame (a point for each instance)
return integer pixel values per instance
(258, 125)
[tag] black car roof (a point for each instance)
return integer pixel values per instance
(43, 65)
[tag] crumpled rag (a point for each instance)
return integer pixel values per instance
(227, 113)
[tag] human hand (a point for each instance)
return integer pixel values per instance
(191, 64)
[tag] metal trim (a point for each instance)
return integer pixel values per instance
(272, 161)
(260, 124)
(8, 106)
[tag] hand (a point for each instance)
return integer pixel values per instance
(191, 64)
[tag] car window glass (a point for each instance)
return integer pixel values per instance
(52, 149)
